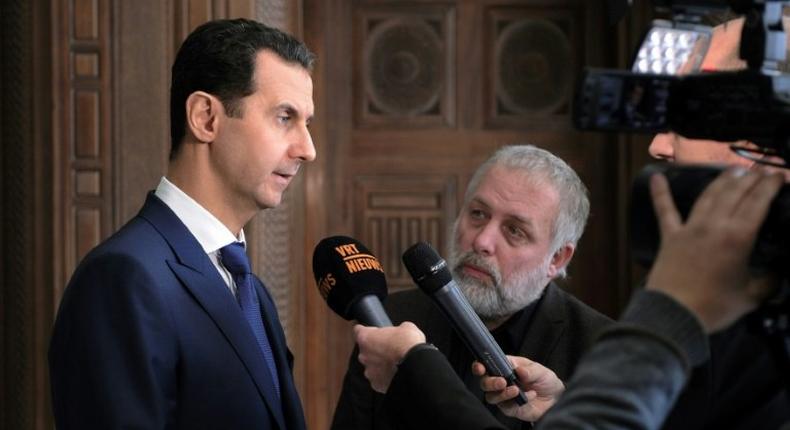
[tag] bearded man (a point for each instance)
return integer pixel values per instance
(524, 211)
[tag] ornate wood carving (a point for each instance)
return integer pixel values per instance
(534, 54)
(394, 212)
(404, 64)
(533, 67)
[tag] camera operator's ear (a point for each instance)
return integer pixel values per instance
(724, 50)
(203, 112)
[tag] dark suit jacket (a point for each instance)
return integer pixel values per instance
(561, 330)
(427, 394)
(149, 336)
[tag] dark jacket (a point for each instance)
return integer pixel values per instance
(561, 330)
(149, 336)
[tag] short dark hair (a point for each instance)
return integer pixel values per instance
(719, 17)
(219, 58)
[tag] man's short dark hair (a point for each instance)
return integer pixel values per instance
(219, 58)
(720, 17)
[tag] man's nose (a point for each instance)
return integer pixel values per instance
(662, 146)
(303, 148)
(485, 240)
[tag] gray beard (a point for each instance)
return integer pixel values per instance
(503, 298)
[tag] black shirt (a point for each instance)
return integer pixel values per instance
(510, 336)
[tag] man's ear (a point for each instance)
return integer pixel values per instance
(203, 114)
(560, 259)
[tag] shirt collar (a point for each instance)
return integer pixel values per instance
(210, 232)
(511, 333)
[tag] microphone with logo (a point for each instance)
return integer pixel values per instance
(431, 274)
(351, 280)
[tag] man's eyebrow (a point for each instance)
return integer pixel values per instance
(290, 109)
(479, 201)
(527, 222)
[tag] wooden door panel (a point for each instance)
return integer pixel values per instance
(403, 57)
(532, 53)
(394, 212)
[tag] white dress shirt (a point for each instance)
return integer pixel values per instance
(210, 233)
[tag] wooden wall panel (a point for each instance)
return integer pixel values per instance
(141, 89)
(534, 54)
(319, 341)
(27, 240)
(189, 14)
(87, 183)
(393, 213)
(283, 14)
(277, 235)
(85, 19)
(404, 66)
(86, 125)
(83, 130)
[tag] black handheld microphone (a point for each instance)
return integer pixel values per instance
(432, 275)
(351, 280)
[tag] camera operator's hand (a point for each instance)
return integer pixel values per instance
(702, 263)
(541, 385)
(381, 349)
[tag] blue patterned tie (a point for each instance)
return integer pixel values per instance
(234, 258)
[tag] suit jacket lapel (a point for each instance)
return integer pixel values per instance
(546, 328)
(292, 406)
(201, 278)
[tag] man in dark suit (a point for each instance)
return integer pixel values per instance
(163, 325)
(523, 213)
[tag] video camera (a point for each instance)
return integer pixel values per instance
(665, 90)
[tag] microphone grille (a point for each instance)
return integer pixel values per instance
(426, 267)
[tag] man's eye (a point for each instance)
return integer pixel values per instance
(515, 232)
(477, 214)
(284, 118)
